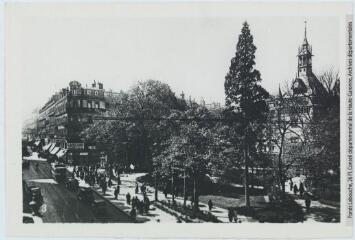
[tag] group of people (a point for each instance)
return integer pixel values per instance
(140, 206)
(232, 215)
(91, 176)
(295, 189)
(302, 193)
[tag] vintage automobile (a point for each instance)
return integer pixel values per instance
(72, 184)
(34, 197)
(36, 194)
(59, 171)
(99, 206)
(27, 219)
(85, 194)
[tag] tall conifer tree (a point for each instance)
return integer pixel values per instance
(245, 98)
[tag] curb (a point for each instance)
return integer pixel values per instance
(121, 210)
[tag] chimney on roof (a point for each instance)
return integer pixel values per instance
(94, 84)
(101, 86)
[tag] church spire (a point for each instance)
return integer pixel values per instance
(305, 29)
(305, 56)
(305, 42)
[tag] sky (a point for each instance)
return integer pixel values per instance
(191, 54)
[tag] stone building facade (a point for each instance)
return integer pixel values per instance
(68, 112)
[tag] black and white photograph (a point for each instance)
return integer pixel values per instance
(203, 116)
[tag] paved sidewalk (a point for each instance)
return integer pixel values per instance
(319, 212)
(34, 157)
(220, 213)
(128, 185)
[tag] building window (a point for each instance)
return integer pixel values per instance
(89, 104)
(96, 93)
(102, 104)
(96, 104)
(88, 92)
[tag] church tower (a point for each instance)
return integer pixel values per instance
(304, 58)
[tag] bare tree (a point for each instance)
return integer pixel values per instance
(328, 79)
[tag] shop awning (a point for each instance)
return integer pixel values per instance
(54, 150)
(37, 142)
(45, 148)
(51, 147)
(61, 153)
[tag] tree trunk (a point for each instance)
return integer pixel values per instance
(246, 173)
(156, 186)
(196, 207)
(281, 178)
(172, 187)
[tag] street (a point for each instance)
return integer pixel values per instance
(62, 205)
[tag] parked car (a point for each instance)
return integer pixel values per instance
(33, 197)
(36, 195)
(28, 219)
(72, 184)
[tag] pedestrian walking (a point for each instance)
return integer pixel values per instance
(230, 214)
(146, 204)
(210, 204)
(104, 186)
(295, 189)
(134, 202)
(133, 213)
(291, 184)
(301, 189)
(307, 201)
(128, 198)
(140, 206)
(136, 190)
(110, 183)
(117, 191)
(143, 189)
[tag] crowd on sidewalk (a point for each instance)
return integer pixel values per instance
(138, 200)
(135, 195)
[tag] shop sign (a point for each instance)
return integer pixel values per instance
(75, 145)
(83, 154)
(92, 147)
